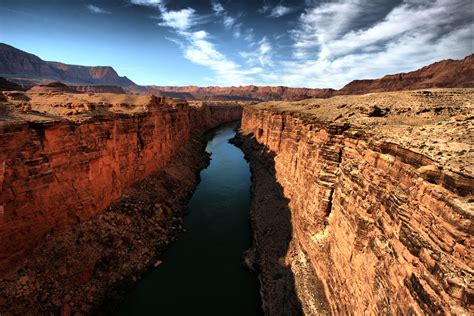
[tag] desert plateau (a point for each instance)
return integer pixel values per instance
(236, 158)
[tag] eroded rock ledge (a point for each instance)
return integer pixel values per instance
(376, 191)
(93, 188)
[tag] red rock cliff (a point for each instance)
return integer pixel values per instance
(383, 228)
(59, 172)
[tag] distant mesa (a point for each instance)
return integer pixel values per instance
(28, 70)
(17, 64)
(53, 87)
(245, 93)
(443, 74)
(59, 87)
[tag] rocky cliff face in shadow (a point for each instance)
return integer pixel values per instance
(382, 226)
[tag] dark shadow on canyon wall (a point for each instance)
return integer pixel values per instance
(272, 231)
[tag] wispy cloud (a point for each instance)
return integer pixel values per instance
(262, 55)
(275, 11)
(279, 11)
(180, 20)
(95, 9)
(249, 35)
(152, 3)
(197, 46)
(228, 21)
(203, 52)
(237, 30)
(218, 8)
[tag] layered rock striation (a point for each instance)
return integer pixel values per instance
(377, 194)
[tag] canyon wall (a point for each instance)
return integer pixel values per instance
(379, 227)
(60, 172)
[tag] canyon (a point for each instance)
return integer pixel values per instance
(361, 197)
(363, 204)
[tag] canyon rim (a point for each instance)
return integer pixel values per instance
(232, 158)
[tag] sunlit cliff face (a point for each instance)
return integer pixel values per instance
(377, 201)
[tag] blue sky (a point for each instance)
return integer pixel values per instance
(311, 43)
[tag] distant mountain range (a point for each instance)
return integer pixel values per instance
(27, 70)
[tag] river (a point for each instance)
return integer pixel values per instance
(202, 272)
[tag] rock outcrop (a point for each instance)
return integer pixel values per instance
(377, 195)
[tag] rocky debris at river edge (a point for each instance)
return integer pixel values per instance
(271, 237)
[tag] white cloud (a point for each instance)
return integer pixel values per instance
(154, 3)
(200, 34)
(228, 21)
(95, 9)
(202, 52)
(276, 11)
(264, 51)
(180, 20)
(198, 48)
(218, 8)
(249, 35)
(279, 11)
(403, 54)
(261, 56)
